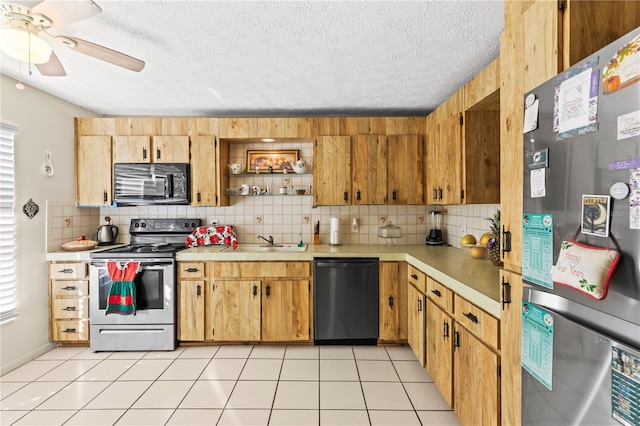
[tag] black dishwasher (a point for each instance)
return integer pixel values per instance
(345, 301)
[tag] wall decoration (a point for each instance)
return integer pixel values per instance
(278, 160)
(30, 208)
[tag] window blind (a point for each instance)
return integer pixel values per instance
(8, 308)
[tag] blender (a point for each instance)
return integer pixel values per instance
(435, 233)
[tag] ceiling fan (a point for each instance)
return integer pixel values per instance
(24, 35)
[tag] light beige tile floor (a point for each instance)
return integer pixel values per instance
(224, 385)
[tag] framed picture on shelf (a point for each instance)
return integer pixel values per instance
(279, 160)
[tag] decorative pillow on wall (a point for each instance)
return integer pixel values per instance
(213, 235)
(585, 268)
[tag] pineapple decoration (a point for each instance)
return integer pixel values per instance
(494, 243)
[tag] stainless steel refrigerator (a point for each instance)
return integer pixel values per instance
(580, 355)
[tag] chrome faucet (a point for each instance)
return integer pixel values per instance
(270, 240)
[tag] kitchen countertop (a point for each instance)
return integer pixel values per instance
(477, 280)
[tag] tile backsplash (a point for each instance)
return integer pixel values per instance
(283, 217)
(66, 222)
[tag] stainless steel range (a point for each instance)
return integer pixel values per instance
(152, 253)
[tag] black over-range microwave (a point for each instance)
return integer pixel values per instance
(151, 183)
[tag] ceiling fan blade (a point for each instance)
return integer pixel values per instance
(53, 68)
(105, 54)
(63, 12)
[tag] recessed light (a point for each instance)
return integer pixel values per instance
(268, 140)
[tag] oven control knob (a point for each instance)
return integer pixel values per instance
(186, 224)
(136, 224)
(193, 225)
(144, 225)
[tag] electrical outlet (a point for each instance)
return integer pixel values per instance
(68, 222)
(464, 229)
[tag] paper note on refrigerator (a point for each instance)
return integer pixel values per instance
(538, 183)
(577, 102)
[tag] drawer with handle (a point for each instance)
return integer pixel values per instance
(70, 330)
(68, 271)
(69, 288)
(417, 278)
(69, 308)
(192, 269)
(440, 295)
(485, 326)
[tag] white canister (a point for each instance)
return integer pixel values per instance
(283, 190)
(334, 231)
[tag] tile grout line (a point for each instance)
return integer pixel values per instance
(405, 389)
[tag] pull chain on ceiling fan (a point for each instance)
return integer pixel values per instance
(23, 35)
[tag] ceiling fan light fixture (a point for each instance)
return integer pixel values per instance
(24, 45)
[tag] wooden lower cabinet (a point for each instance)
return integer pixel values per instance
(476, 385)
(192, 286)
(69, 302)
(272, 306)
(392, 302)
(440, 350)
(285, 311)
(416, 322)
(234, 310)
(191, 308)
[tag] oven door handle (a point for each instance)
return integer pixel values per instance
(142, 263)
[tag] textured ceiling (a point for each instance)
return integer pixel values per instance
(219, 58)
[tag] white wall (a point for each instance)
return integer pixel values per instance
(45, 123)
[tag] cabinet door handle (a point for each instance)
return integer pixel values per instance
(198, 198)
(345, 196)
(199, 290)
(506, 241)
(255, 290)
(69, 308)
(268, 291)
(419, 305)
(472, 318)
(446, 329)
(414, 276)
(391, 301)
(158, 153)
(104, 196)
(435, 194)
(506, 293)
(69, 330)
(358, 195)
(456, 339)
(394, 195)
(191, 270)
(66, 271)
(144, 153)
(440, 193)
(436, 292)
(70, 287)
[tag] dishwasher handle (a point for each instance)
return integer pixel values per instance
(349, 264)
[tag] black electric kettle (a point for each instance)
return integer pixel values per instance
(107, 234)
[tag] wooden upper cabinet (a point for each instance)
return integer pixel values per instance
(369, 169)
(448, 153)
(560, 34)
(542, 26)
(170, 149)
(204, 171)
(404, 168)
(483, 85)
(93, 172)
(332, 170)
(131, 149)
(481, 156)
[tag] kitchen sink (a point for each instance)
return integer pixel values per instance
(263, 248)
